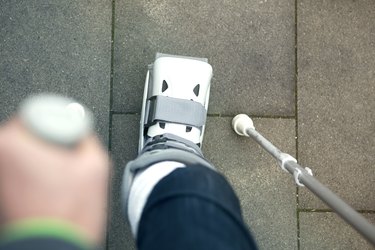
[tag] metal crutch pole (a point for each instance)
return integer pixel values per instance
(243, 125)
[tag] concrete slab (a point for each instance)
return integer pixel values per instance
(328, 231)
(124, 148)
(249, 43)
(56, 46)
(336, 101)
(267, 194)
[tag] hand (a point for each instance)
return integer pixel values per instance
(42, 180)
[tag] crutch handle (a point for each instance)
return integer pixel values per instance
(56, 119)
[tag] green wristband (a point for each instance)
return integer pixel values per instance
(43, 227)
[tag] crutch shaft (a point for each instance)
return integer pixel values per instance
(346, 212)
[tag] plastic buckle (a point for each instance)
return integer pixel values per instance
(285, 158)
(298, 172)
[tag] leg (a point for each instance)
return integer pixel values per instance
(193, 208)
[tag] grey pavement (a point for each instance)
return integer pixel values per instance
(336, 98)
(56, 46)
(125, 130)
(249, 43)
(319, 231)
(304, 69)
(262, 188)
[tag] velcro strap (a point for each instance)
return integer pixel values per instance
(175, 110)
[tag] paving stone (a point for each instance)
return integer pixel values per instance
(56, 46)
(328, 231)
(336, 87)
(249, 43)
(267, 194)
(125, 130)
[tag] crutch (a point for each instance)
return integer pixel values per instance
(244, 126)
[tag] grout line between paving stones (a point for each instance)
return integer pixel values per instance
(124, 113)
(111, 76)
(218, 115)
(296, 111)
(311, 210)
(110, 107)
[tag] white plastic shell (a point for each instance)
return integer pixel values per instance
(178, 77)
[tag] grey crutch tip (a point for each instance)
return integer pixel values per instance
(241, 123)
